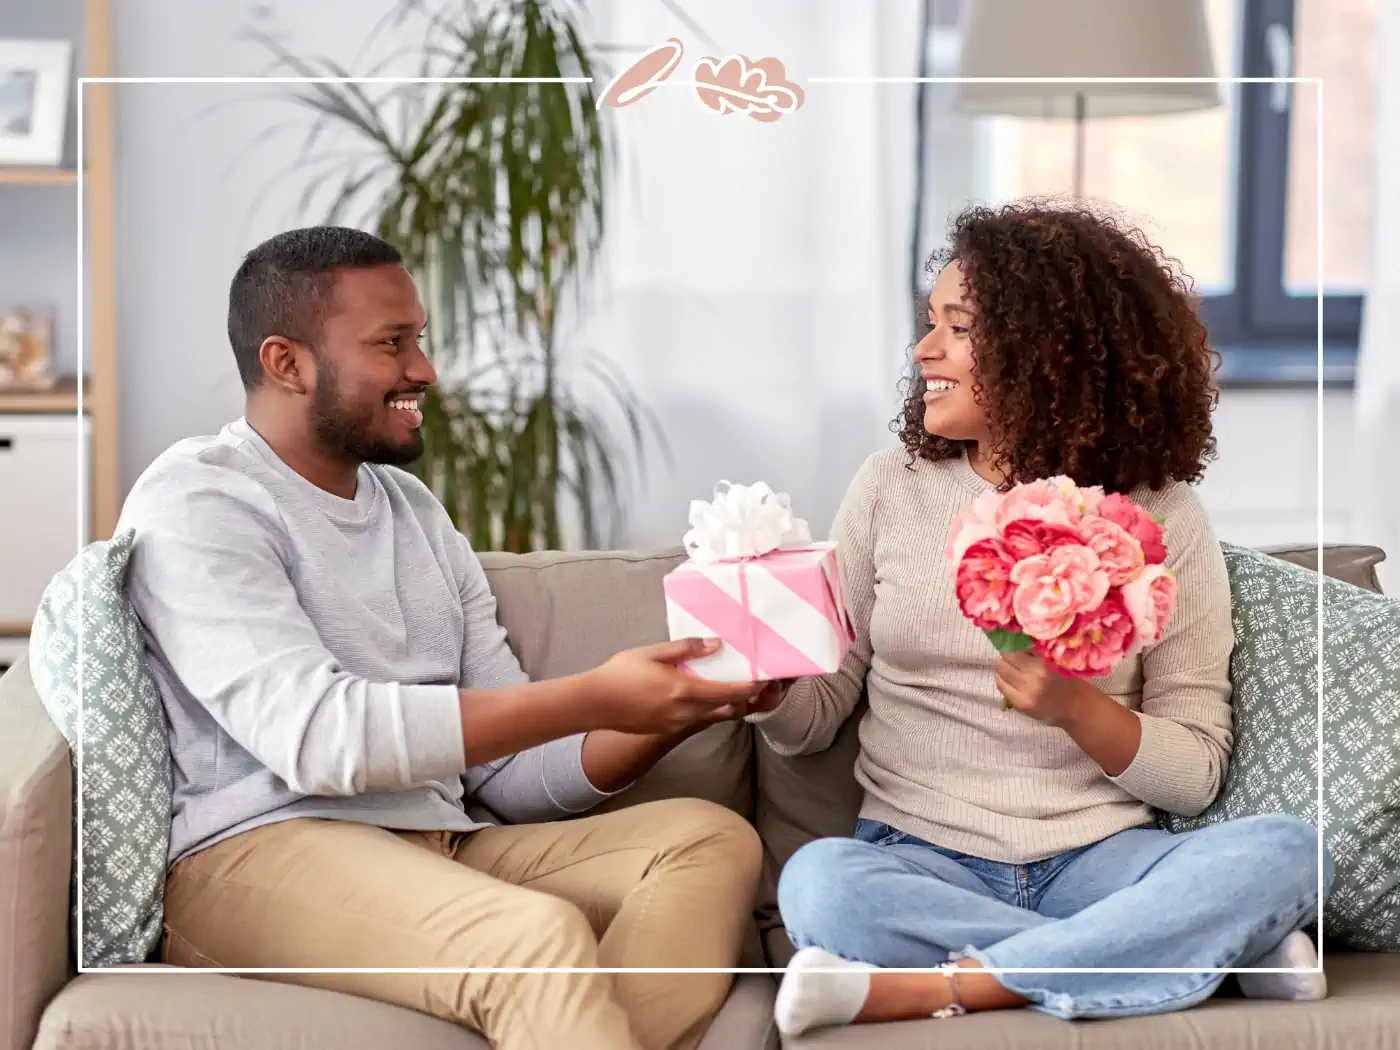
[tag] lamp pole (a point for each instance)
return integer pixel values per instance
(1080, 113)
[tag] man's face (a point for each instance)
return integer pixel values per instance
(371, 374)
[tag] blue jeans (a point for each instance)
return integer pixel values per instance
(1220, 897)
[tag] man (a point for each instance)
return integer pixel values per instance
(363, 775)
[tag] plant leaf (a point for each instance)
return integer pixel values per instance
(1005, 641)
(495, 193)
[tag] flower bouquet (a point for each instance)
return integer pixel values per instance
(1074, 574)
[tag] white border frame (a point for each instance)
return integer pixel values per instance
(83, 490)
(52, 63)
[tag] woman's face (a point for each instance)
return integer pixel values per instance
(945, 359)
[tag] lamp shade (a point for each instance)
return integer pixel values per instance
(1084, 38)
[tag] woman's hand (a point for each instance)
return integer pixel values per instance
(1103, 728)
(1031, 686)
(769, 696)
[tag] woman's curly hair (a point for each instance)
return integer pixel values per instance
(1090, 359)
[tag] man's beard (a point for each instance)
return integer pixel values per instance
(349, 430)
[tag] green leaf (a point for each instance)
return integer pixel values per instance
(1159, 519)
(1005, 641)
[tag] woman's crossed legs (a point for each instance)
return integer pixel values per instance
(1230, 895)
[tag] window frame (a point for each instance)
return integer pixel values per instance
(1266, 337)
(1264, 334)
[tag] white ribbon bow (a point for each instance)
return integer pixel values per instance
(743, 521)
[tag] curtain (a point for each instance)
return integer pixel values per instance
(1377, 435)
(755, 275)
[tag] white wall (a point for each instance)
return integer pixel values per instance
(194, 192)
(755, 289)
(1263, 488)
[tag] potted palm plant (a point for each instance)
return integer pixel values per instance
(494, 189)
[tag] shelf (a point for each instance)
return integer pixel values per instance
(14, 629)
(63, 398)
(39, 176)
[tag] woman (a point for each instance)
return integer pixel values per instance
(1060, 342)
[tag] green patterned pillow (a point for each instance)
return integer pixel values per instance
(1274, 765)
(125, 785)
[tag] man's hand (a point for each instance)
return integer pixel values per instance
(641, 690)
(1034, 688)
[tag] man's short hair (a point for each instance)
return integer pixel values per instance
(284, 287)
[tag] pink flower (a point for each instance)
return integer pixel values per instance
(1094, 643)
(1126, 514)
(1055, 587)
(963, 541)
(980, 512)
(983, 584)
(1028, 537)
(1119, 551)
(1081, 500)
(1150, 600)
(1040, 500)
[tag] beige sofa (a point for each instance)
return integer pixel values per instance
(565, 613)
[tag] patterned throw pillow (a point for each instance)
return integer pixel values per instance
(1274, 765)
(125, 783)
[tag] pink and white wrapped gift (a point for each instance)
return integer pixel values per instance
(756, 580)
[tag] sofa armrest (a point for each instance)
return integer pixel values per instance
(36, 851)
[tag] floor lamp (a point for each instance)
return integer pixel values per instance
(1069, 39)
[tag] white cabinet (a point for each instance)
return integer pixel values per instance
(43, 519)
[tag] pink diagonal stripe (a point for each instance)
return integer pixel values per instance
(708, 603)
(808, 582)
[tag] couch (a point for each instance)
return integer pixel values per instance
(564, 613)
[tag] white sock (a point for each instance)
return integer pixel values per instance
(1296, 952)
(815, 1000)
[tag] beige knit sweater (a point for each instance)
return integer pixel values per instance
(939, 757)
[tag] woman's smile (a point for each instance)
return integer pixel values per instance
(938, 387)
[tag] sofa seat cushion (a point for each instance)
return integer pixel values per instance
(174, 1010)
(166, 1011)
(1362, 1013)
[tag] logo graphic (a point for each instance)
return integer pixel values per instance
(736, 84)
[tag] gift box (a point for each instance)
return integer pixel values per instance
(755, 579)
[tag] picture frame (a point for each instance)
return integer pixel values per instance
(35, 78)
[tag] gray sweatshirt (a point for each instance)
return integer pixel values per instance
(309, 650)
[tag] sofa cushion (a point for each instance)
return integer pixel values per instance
(1362, 1013)
(124, 759)
(801, 799)
(568, 612)
(174, 1010)
(1274, 769)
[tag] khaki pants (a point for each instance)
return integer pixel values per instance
(665, 884)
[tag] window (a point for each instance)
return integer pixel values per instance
(1268, 323)
(1231, 191)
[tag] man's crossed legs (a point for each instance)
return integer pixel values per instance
(666, 884)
